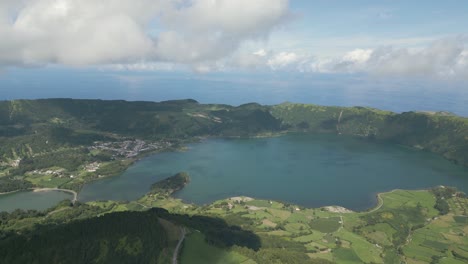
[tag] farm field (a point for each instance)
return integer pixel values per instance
(405, 226)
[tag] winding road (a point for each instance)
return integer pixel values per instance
(176, 251)
(380, 203)
(381, 200)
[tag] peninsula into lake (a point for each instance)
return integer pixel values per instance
(314, 173)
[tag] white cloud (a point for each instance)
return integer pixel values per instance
(263, 60)
(256, 59)
(282, 60)
(443, 58)
(261, 53)
(446, 58)
(358, 55)
(83, 32)
(141, 66)
(439, 59)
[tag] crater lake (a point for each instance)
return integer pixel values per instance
(311, 170)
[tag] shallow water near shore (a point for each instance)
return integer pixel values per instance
(31, 200)
(304, 169)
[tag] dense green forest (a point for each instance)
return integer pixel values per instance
(440, 133)
(32, 127)
(171, 184)
(66, 143)
(62, 142)
(9, 185)
(407, 226)
(113, 238)
(121, 237)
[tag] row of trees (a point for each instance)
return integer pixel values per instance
(8, 184)
(126, 237)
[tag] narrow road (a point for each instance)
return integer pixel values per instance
(339, 118)
(342, 223)
(142, 205)
(380, 203)
(176, 251)
(339, 122)
(75, 195)
(56, 211)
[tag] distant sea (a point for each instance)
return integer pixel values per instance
(394, 94)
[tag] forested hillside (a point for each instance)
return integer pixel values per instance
(66, 143)
(122, 237)
(113, 238)
(137, 119)
(440, 133)
(407, 226)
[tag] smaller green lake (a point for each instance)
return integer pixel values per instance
(309, 170)
(31, 200)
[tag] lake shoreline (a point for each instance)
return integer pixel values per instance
(330, 208)
(313, 165)
(5, 193)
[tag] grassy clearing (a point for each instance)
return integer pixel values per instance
(281, 214)
(461, 219)
(197, 251)
(406, 218)
(326, 225)
(295, 227)
(299, 218)
(451, 261)
(366, 251)
(310, 237)
(48, 181)
(259, 203)
(403, 198)
(173, 231)
(445, 237)
(346, 256)
(327, 256)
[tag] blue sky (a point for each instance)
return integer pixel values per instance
(113, 44)
(384, 18)
(370, 24)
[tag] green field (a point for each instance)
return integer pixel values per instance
(326, 225)
(405, 228)
(52, 143)
(197, 251)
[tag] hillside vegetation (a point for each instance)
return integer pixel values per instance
(440, 133)
(406, 227)
(115, 237)
(66, 143)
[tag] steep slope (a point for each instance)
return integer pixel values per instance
(440, 133)
(121, 237)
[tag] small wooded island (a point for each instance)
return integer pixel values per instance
(66, 143)
(171, 185)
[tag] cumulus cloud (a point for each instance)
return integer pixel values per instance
(282, 60)
(141, 66)
(249, 60)
(83, 32)
(203, 35)
(443, 58)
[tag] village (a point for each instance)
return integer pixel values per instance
(129, 148)
(121, 155)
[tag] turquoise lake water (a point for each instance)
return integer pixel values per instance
(31, 200)
(309, 170)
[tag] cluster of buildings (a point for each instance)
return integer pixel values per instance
(130, 148)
